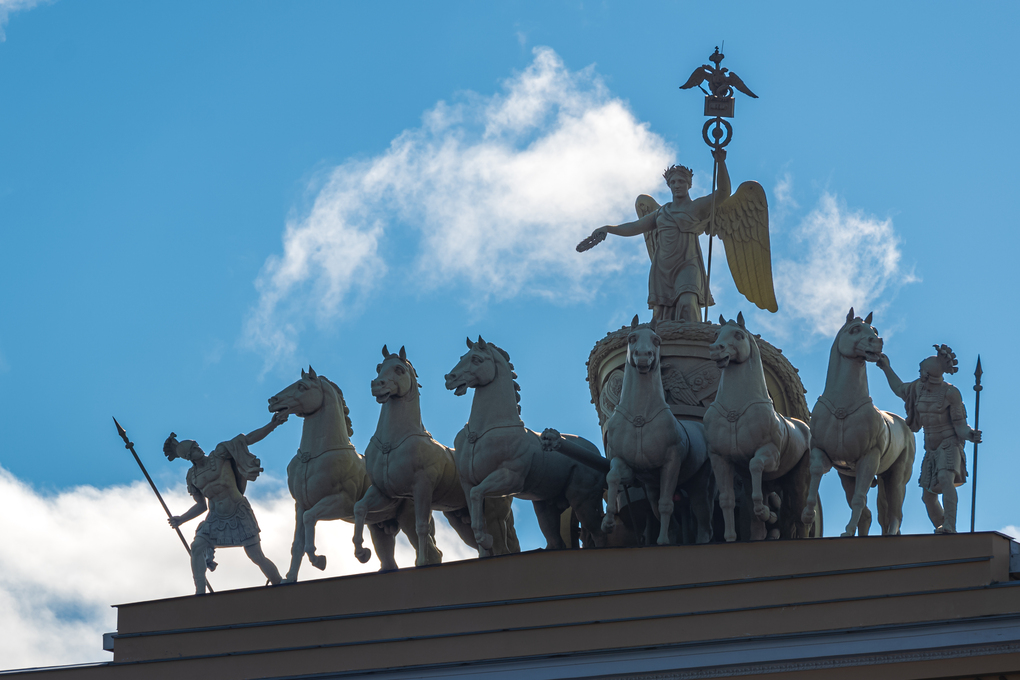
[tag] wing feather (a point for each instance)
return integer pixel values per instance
(742, 222)
(644, 205)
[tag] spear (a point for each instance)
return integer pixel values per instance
(130, 446)
(977, 414)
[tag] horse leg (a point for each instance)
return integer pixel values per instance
(422, 494)
(766, 459)
(668, 476)
(849, 488)
(892, 487)
(618, 471)
(336, 506)
(820, 464)
(462, 526)
(385, 543)
(502, 482)
(727, 498)
(588, 510)
(867, 466)
(269, 570)
(297, 548)
(701, 491)
(373, 502)
(496, 512)
(549, 522)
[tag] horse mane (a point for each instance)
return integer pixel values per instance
(323, 380)
(513, 375)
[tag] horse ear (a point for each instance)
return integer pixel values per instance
(470, 344)
(722, 320)
(403, 354)
(867, 320)
(850, 315)
(652, 324)
(740, 319)
(481, 343)
(303, 374)
(311, 372)
(385, 352)
(634, 322)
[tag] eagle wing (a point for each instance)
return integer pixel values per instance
(736, 82)
(697, 78)
(742, 222)
(644, 205)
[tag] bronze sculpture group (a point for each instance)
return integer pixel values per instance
(738, 468)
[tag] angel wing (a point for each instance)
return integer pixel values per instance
(742, 222)
(644, 205)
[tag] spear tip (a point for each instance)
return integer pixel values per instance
(120, 430)
(978, 371)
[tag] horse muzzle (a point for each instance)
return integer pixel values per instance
(459, 387)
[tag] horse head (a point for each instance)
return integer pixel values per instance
(301, 398)
(733, 344)
(858, 340)
(643, 346)
(476, 368)
(396, 377)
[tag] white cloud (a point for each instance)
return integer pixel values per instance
(8, 7)
(783, 191)
(67, 557)
(1012, 531)
(495, 191)
(849, 259)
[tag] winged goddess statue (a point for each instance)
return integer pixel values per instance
(677, 283)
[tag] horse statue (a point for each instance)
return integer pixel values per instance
(860, 441)
(404, 461)
(644, 440)
(327, 476)
(497, 456)
(744, 431)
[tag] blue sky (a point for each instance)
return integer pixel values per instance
(197, 200)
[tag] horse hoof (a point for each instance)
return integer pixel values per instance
(808, 516)
(762, 512)
(318, 561)
(486, 542)
(847, 534)
(363, 554)
(608, 525)
(730, 538)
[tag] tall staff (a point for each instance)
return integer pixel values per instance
(719, 104)
(130, 446)
(977, 413)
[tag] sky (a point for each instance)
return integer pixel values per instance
(197, 200)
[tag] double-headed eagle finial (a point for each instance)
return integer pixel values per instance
(721, 81)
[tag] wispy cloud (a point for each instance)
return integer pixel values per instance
(67, 557)
(9, 7)
(848, 259)
(493, 191)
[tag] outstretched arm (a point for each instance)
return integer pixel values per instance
(258, 435)
(722, 188)
(895, 384)
(639, 226)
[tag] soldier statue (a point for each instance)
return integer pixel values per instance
(937, 406)
(217, 483)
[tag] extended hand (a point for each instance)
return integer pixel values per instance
(883, 362)
(279, 418)
(174, 521)
(597, 237)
